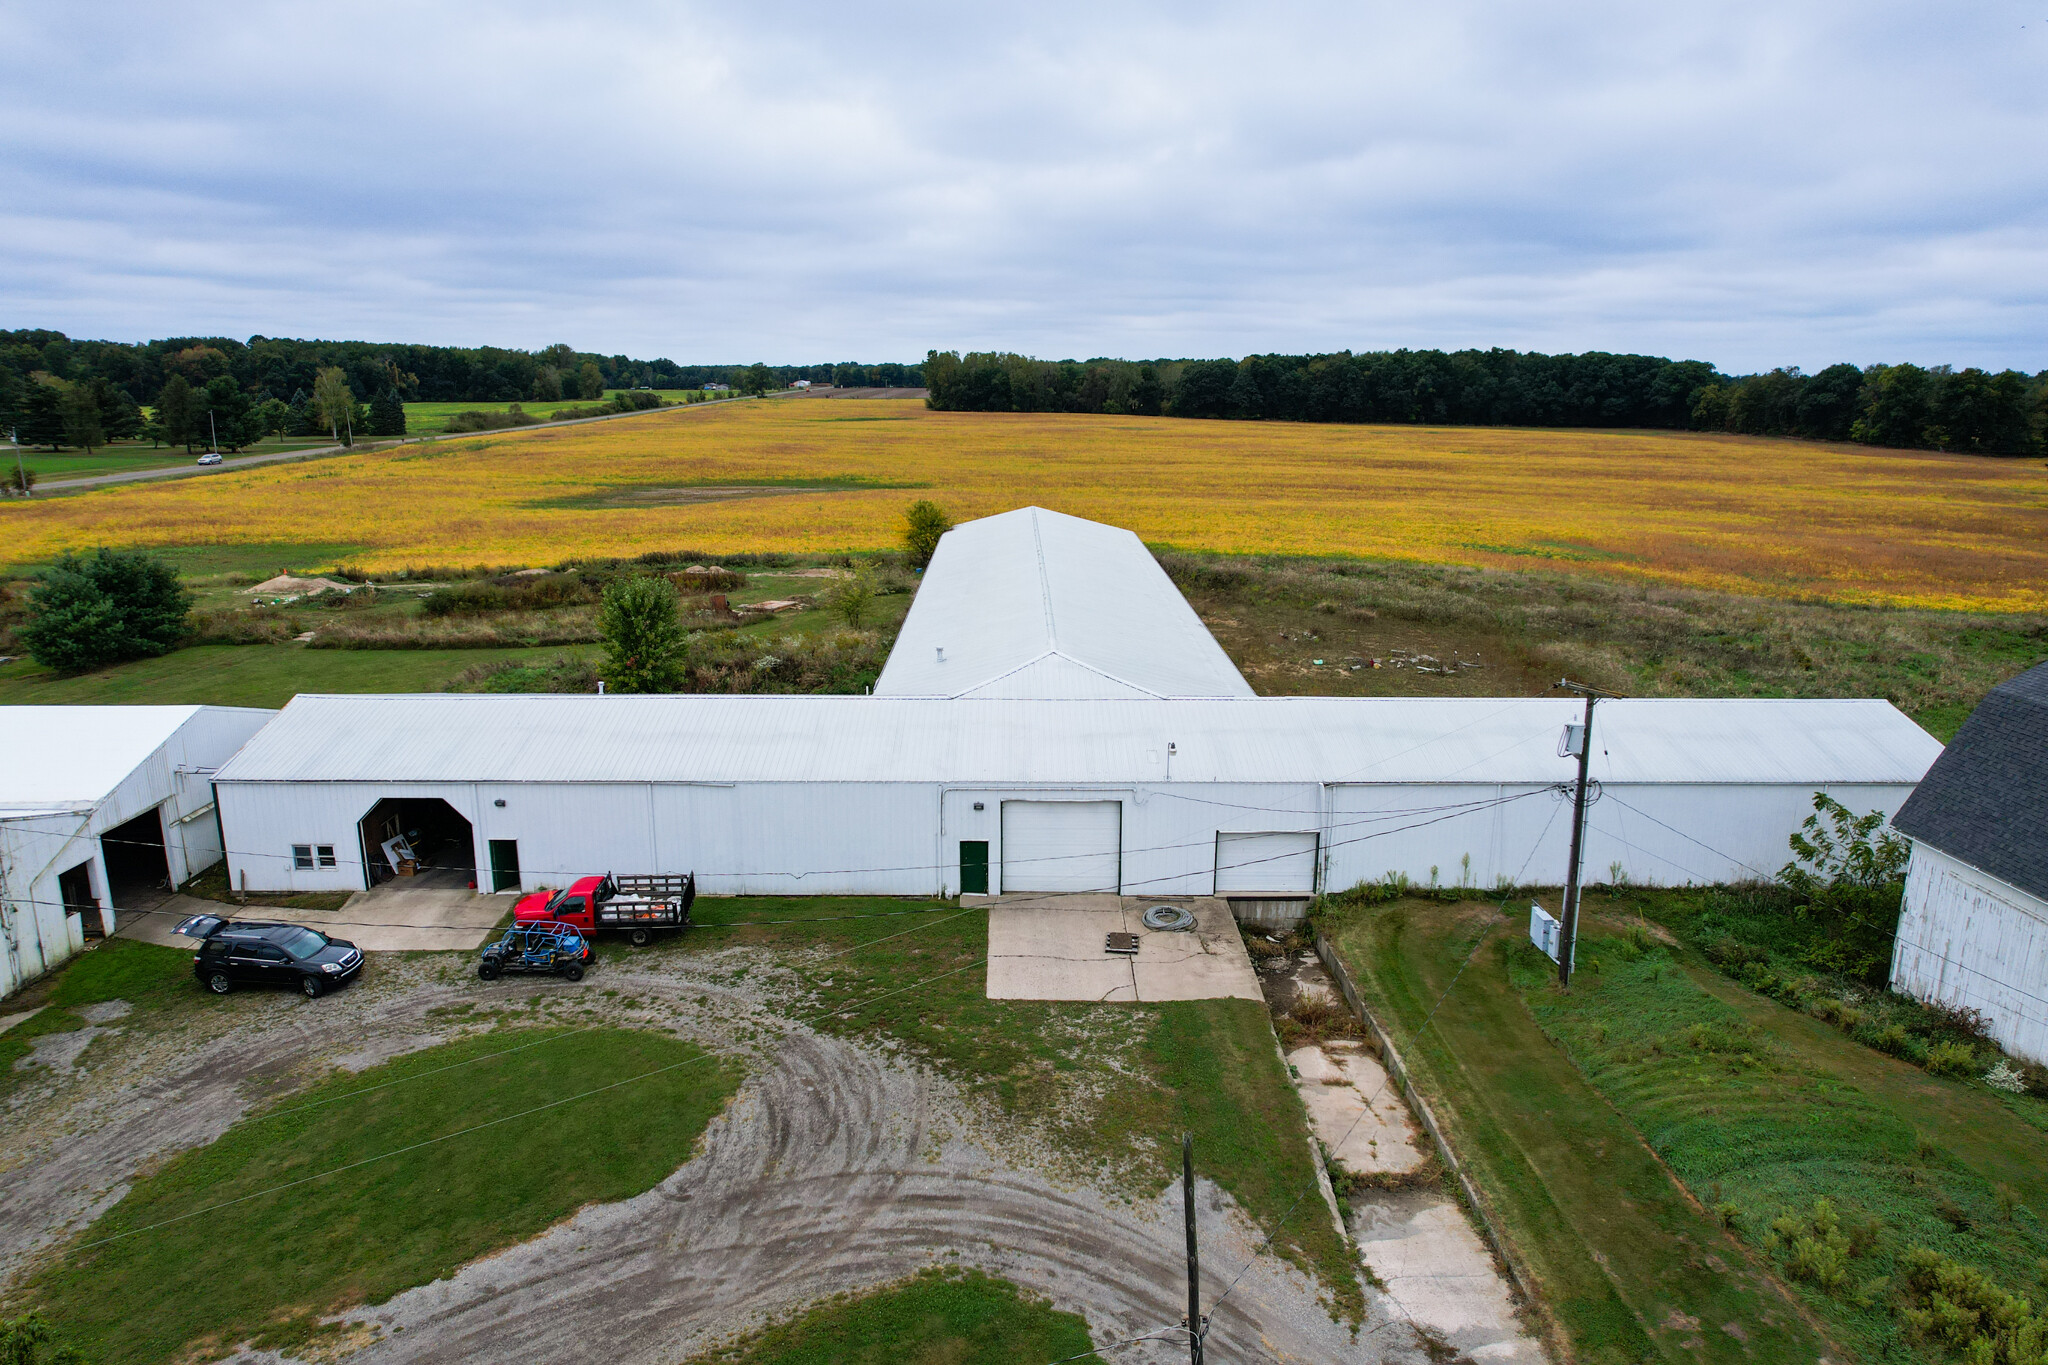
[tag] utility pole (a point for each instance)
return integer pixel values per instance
(1187, 1188)
(1568, 932)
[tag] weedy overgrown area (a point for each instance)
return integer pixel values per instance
(754, 623)
(1321, 625)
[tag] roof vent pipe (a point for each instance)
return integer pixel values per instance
(942, 653)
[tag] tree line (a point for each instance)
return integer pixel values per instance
(57, 391)
(1908, 406)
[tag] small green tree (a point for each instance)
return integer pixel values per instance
(923, 524)
(174, 409)
(756, 379)
(589, 381)
(643, 635)
(335, 402)
(1847, 878)
(852, 599)
(81, 410)
(90, 610)
(387, 414)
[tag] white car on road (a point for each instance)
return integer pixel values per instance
(210, 457)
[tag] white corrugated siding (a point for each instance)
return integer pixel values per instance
(1373, 740)
(1074, 597)
(1969, 941)
(108, 764)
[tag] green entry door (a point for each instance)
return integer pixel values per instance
(504, 864)
(974, 867)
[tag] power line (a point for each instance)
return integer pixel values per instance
(1455, 811)
(1386, 1072)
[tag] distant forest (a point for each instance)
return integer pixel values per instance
(50, 384)
(1887, 405)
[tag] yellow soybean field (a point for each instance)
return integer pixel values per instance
(1778, 517)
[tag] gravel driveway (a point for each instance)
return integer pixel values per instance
(838, 1166)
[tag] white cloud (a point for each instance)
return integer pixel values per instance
(1755, 185)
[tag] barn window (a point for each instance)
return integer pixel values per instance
(325, 854)
(302, 857)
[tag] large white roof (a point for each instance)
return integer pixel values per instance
(715, 739)
(1034, 603)
(64, 757)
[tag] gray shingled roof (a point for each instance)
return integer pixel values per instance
(1985, 800)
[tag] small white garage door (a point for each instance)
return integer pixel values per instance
(1062, 845)
(1268, 863)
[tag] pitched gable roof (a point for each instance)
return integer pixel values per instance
(1985, 800)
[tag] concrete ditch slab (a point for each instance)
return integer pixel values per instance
(1051, 948)
(1360, 1119)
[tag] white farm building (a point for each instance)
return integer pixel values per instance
(1054, 718)
(94, 801)
(1973, 932)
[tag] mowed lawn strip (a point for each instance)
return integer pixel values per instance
(1112, 1086)
(257, 675)
(937, 1317)
(1763, 1112)
(1628, 1266)
(195, 1277)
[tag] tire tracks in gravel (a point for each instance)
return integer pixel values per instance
(837, 1167)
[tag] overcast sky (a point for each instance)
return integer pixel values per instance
(1751, 184)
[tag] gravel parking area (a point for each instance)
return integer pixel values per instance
(841, 1165)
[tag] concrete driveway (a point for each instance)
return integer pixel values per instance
(396, 917)
(1052, 948)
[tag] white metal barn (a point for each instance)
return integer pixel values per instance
(1080, 732)
(1973, 932)
(96, 799)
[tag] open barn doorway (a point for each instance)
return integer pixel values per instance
(138, 870)
(423, 840)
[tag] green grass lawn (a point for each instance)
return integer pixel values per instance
(936, 1318)
(272, 1266)
(254, 675)
(1628, 1266)
(1112, 1087)
(125, 456)
(1582, 1115)
(431, 419)
(1762, 1111)
(157, 981)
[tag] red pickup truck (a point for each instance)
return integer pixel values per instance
(638, 906)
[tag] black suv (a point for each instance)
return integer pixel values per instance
(251, 953)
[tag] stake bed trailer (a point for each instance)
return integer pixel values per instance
(638, 906)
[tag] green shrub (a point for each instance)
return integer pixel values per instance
(1961, 1308)
(1952, 1059)
(100, 608)
(923, 524)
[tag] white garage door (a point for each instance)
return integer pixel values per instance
(1062, 845)
(1266, 863)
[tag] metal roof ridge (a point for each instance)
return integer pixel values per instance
(1052, 632)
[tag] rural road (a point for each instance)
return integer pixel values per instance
(188, 470)
(837, 1167)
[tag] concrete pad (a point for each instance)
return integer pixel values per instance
(1207, 962)
(1440, 1273)
(1043, 947)
(401, 917)
(8, 1021)
(1045, 951)
(1337, 1082)
(154, 924)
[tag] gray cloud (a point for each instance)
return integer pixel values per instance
(1760, 184)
